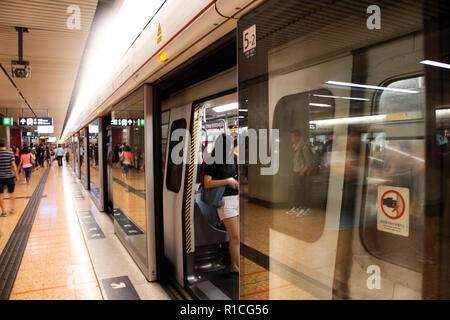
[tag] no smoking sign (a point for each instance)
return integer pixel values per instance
(393, 210)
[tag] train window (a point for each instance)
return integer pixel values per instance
(396, 157)
(82, 149)
(300, 113)
(94, 174)
(128, 171)
(174, 171)
(403, 105)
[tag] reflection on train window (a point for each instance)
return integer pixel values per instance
(82, 157)
(403, 105)
(164, 133)
(299, 113)
(174, 171)
(128, 185)
(366, 93)
(76, 154)
(396, 157)
(94, 175)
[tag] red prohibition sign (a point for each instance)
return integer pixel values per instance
(395, 208)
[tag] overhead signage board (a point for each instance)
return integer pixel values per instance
(127, 122)
(30, 121)
(93, 128)
(45, 129)
(393, 210)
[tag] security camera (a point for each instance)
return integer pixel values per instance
(20, 69)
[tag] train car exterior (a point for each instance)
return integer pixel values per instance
(341, 114)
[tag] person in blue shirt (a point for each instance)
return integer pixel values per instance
(59, 155)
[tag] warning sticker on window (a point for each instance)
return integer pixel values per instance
(393, 210)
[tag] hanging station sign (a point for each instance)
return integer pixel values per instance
(35, 121)
(7, 121)
(127, 122)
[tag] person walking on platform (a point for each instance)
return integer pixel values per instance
(8, 176)
(16, 151)
(24, 147)
(25, 162)
(59, 155)
(127, 157)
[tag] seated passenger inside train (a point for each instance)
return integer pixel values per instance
(221, 175)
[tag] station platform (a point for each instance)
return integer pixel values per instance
(47, 253)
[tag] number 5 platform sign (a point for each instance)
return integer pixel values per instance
(393, 210)
(249, 42)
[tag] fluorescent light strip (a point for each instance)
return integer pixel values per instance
(337, 97)
(405, 153)
(443, 114)
(226, 107)
(347, 84)
(435, 64)
(351, 120)
(320, 105)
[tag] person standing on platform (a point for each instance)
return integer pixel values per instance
(96, 154)
(67, 156)
(24, 147)
(8, 177)
(137, 158)
(81, 155)
(47, 155)
(40, 155)
(59, 155)
(25, 162)
(33, 152)
(302, 163)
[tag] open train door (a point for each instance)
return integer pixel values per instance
(175, 223)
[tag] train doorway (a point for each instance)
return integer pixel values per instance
(196, 239)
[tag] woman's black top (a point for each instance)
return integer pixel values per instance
(224, 171)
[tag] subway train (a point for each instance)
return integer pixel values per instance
(369, 104)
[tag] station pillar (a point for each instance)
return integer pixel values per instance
(5, 134)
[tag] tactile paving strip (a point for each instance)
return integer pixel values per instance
(12, 254)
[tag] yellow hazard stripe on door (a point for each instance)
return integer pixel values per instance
(190, 180)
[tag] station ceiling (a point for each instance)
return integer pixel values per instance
(54, 48)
